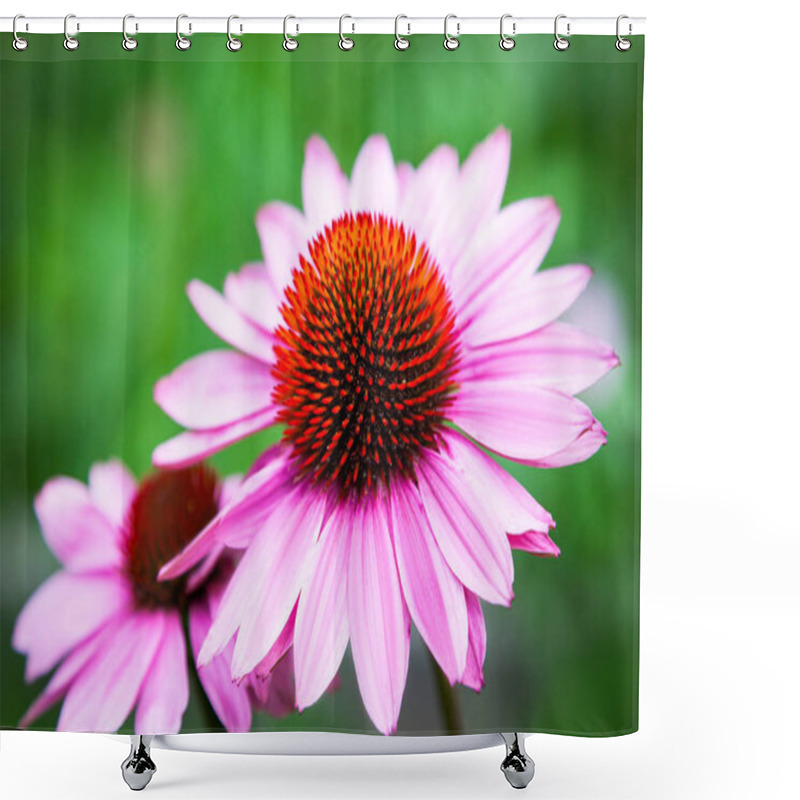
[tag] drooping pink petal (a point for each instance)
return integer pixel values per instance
(321, 633)
(247, 508)
(264, 588)
(505, 498)
(229, 701)
(190, 447)
(536, 542)
(434, 595)
(373, 185)
(65, 610)
(80, 535)
(215, 388)
(104, 692)
(231, 325)
(63, 677)
(274, 693)
(476, 653)
(511, 245)
(470, 537)
(557, 356)
(377, 617)
(279, 647)
(479, 192)
(112, 489)
(284, 232)
(405, 176)
(517, 305)
(518, 419)
(252, 292)
(165, 690)
(585, 446)
(325, 186)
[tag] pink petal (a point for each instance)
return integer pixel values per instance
(112, 489)
(279, 648)
(321, 633)
(284, 233)
(165, 691)
(557, 356)
(64, 611)
(476, 653)
(426, 200)
(461, 517)
(229, 323)
(373, 186)
(190, 447)
(585, 446)
(536, 542)
(377, 616)
(511, 245)
(518, 419)
(79, 534)
(324, 184)
(252, 292)
(104, 692)
(479, 192)
(63, 677)
(434, 595)
(518, 305)
(506, 500)
(274, 693)
(215, 388)
(229, 701)
(265, 586)
(405, 176)
(242, 509)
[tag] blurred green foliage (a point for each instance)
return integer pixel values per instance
(125, 175)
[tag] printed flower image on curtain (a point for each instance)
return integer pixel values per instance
(321, 380)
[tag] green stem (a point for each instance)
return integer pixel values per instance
(210, 718)
(447, 700)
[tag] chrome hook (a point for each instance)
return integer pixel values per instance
(400, 42)
(506, 42)
(451, 42)
(345, 42)
(623, 44)
(234, 44)
(560, 43)
(19, 43)
(290, 43)
(128, 42)
(70, 42)
(182, 43)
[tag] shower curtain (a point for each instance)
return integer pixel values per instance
(320, 385)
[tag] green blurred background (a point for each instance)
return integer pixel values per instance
(124, 175)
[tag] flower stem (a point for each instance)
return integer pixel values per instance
(210, 718)
(448, 701)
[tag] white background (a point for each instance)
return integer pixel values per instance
(720, 695)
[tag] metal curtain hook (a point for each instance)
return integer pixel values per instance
(400, 42)
(234, 44)
(622, 43)
(19, 43)
(70, 42)
(289, 42)
(506, 42)
(128, 42)
(451, 42)
(560, 43)
(182, 43)
(345, 42)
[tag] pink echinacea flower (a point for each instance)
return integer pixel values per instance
(398, 328)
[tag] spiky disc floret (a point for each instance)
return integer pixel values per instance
(368, 353)
(168, 511)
